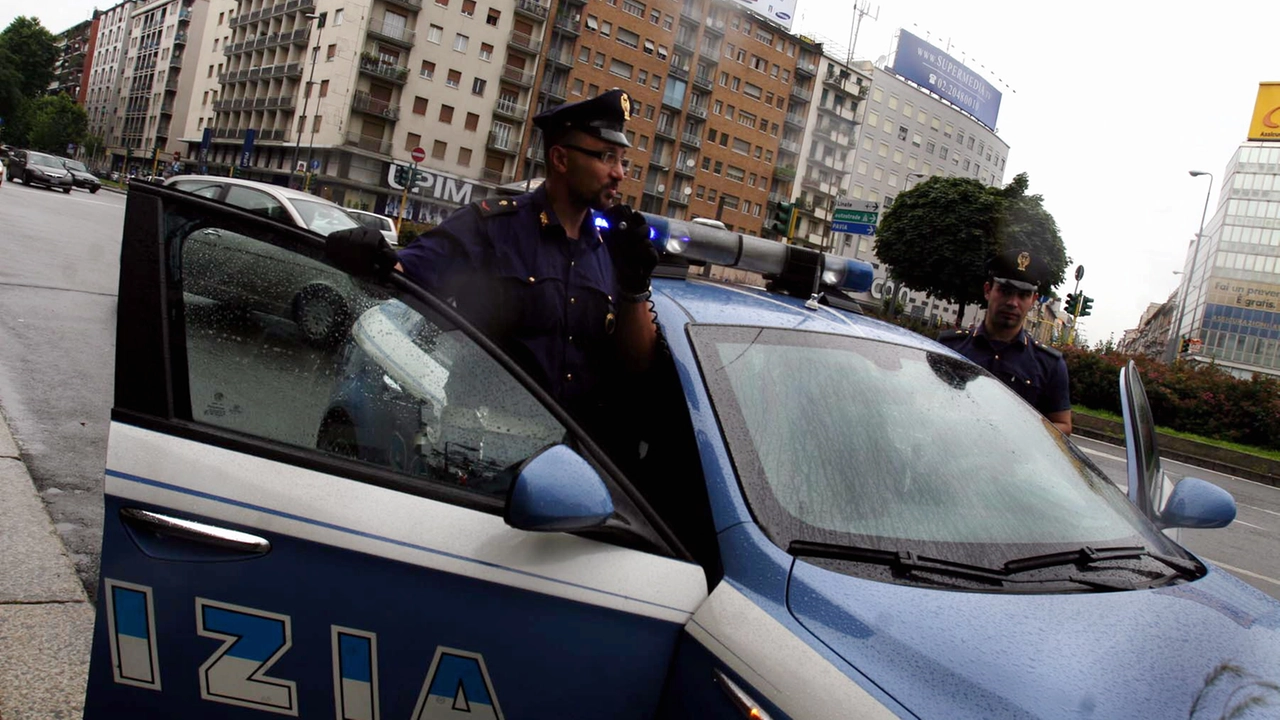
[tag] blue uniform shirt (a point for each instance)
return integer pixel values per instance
(1036, 372)
(548, 301)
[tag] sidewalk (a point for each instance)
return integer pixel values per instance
(46, 621)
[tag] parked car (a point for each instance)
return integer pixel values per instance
(80, 175)
(36, 168)
(828, 517)
(381, 223)
(310, 293)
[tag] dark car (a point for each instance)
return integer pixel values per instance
(81, 177)
(35, 168)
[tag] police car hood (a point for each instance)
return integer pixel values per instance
(1212, 644)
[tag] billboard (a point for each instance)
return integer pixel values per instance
(1265, 124)
(930, 68)
(779, 11)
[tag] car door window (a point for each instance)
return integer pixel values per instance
(256, 201)
(201, 187)
(284, 348)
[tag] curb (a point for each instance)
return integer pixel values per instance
(1187, 451)
(46, 620)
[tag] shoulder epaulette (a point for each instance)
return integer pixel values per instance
(1048, 349)
(495, 206)
(952, 335)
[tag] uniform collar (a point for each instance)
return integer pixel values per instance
(1020, 339)
(547, 216)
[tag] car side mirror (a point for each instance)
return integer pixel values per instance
(1195, 503)
(558, 491)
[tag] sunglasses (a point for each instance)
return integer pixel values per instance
(608, 157)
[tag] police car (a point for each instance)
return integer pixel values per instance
(830, 517)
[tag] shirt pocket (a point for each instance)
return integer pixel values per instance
(532, 306)
(593, 313)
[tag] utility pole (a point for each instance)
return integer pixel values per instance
(1071, 336)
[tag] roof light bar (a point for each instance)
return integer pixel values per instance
(702, 243)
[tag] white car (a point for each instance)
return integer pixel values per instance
(274, 201)
(381, 223)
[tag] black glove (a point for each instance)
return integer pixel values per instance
(634, 255)
(361, 251)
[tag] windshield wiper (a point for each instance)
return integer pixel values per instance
(911, 563)
(1087, 555)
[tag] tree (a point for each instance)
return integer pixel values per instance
(53, 122)
(27, 54)
(938, 235)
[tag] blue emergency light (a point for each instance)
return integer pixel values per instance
(716, 246)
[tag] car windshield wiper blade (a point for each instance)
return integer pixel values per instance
(1087, 554)
(903, 559)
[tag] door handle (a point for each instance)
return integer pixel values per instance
(739, 697)
(196, 532)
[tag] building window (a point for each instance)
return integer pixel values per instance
(412, 140)
(633, 7)
(330, 53)
(606, 29)
(460, 42)
(464, 157)
(584, 54)
(599, 61)
(438, 149)
(621, 69)
(593, 23)
(477, 87)
(446, 114)
(453, 78)
(577, 86)
(434, 33)
(473, 121)
(493, 17)
(628, 38)
(419, 106)
(428, 71)
(324, 88)
(741, 146)
(469, 8)
(486, 52)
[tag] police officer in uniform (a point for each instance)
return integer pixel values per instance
(1036, 372)
(566, 299)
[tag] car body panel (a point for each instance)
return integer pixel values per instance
(41, 169)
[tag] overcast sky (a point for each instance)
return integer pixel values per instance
(1106, 106)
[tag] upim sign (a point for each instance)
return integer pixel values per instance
(429, 184)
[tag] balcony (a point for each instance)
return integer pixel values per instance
(811, 181)
(496, 177)
(686, 169)
(568, 26)
(510, 110)
(171, 84)
(711, 55)
(555, 91)
(678, 71)
(678, 197)
(715, 25)
(688, 9)
(777, 197)
(395, 34)
(790, 146)
(373, 66)
(297, 36)
(652, 191)
(702, 82)
(676, 104)
(795, 119)
(274, 10)
(273, 102)
(414, 5)
(175, 61)
(563, 59)
(784, 172)
(262, 73)
(532, 9)
(366, 103)
(799, 93)
(666, 129)
(369, 143)
(516, 76)
(698, 111)
(184, 15)
(686, 41)
(836, 81)
(180, 38)
(805, 67)
(524, 43)
(691, 140)
(504, 142)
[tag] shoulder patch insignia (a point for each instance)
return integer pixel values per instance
(1049, 349)
(489, 207)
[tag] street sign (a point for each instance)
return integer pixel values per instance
(860, 216)
(1079, 273)
(315, 164)
(856, 228)
(418, 154)
(246, 150)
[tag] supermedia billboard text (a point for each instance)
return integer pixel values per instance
(930, 68)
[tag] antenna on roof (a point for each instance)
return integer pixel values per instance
(860, 10)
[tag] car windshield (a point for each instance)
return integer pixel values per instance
(323, 218)
(851, 441)
(75, 165)
(43, 161)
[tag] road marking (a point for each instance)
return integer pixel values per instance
(73, 192)
(1167, 462)
(1238, 521)
(1099, 453)
(1239, 571)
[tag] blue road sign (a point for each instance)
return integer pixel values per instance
(246, 153)
(853, 227)
(315, 165)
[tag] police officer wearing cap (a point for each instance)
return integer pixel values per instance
(566, 300)
(1036, 372)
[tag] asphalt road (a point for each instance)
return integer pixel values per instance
(57, 347)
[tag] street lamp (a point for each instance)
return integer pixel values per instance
(912, 175)
(306, 96)
(1171, 349)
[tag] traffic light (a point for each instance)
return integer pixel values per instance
(1071, 304)
(1086, 305)
(1184, 345)
(402, 175)
(780, 222)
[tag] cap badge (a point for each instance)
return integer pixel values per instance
(542, 216)
(1024, 259)
(625, 101)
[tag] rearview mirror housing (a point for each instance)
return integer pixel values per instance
(558, 491)
(1195, 503)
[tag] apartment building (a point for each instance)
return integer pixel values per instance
(909, 134)
(106, 68)
(820, 151)
(75, 50)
